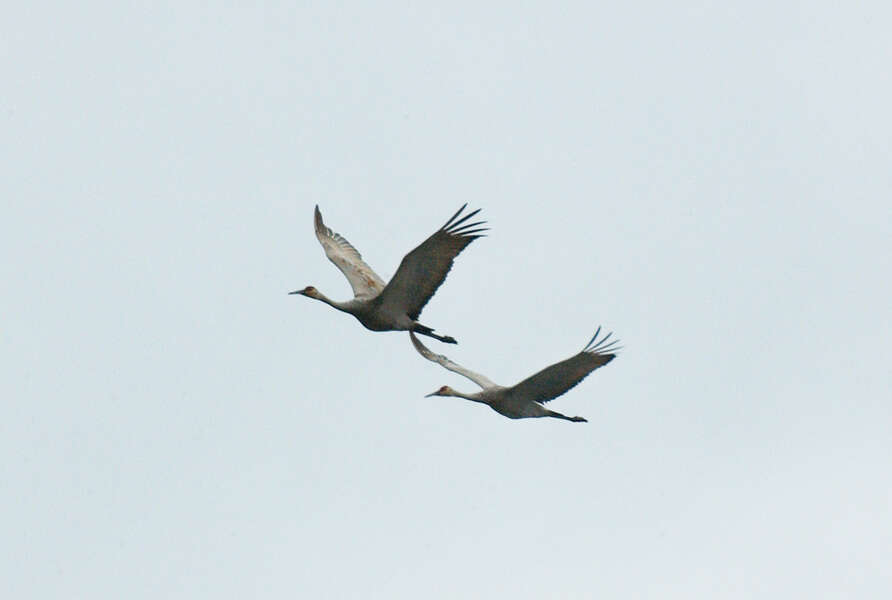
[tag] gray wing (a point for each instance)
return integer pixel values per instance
(553, 381)
(424, 269)
(448, 364)
(364, 281)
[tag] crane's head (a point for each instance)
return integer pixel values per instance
(308, 291)
(443, 391)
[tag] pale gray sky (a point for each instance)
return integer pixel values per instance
(710, 182)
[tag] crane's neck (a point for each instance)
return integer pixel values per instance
(341, 306)
(478, 397)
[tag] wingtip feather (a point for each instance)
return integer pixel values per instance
(602, 346)
(455, 225)
(452, 218)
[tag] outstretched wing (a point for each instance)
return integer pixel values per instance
(448, 364)
(364, 281)
(424, 269)
(551, 382)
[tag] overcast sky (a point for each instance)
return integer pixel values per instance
(711, 183)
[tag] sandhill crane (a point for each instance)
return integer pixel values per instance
(526, 398)
(397, 305)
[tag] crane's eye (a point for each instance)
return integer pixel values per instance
(309, 289)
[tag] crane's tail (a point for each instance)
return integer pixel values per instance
(425, 330)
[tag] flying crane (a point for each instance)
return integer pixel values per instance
(527, 398)
(397, 305)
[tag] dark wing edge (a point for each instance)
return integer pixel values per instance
(423, 270)
(557, 379)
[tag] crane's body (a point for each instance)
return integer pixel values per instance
(397, 305)
(372, 313)
(527, 398)
(502, 400)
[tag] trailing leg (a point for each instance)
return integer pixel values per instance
(425, 330)
(558, 415)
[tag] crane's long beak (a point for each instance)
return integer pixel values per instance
(431, 394)
(294, 292)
